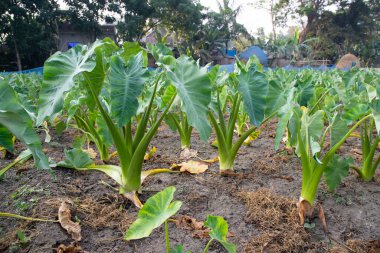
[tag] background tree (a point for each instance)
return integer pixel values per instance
(306, 12)
(345, 30)
(139, 17)
(27, 32)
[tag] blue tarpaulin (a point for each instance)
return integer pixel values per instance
(228, 68)
(255, 50)
(38, 71)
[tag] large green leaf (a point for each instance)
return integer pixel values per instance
(155, 212)
(311, 129)
(338, 130)
(375, 107)
(219, 231)
(305, 90)
(76, 158)
(14, 117)
(112, 171)
(131, 49)
(253, 87)
(59, 73)
(6, 139)
(127, 82)
(194, 89)
(354, 111)
(276, 97)
(284, 115)
(336, 170)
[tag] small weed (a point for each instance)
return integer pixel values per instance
(21, 198)
(23, 241)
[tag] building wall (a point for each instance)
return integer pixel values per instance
(68, 35)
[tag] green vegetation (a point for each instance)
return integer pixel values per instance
(330, 29)
(159, 208)
(109, 95)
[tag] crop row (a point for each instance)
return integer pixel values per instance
(109, 94)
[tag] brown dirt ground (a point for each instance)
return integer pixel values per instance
(258, 204)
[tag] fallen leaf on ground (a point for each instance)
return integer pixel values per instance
(64, 218)
(356, 151)
(72, 248)
(212, 160)
(189, 223)
(253, 136)
(188, 153)
(193, 167)
(150, 154)
(91, 152)
(322, 217)
(289, 178)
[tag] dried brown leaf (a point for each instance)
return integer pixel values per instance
(305, 209)
(323, 218)
(72, 248)
(91, 152)
(132, 196)
(189, 223)
(193, 167)
(64, 217)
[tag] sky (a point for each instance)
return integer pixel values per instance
(251, 17)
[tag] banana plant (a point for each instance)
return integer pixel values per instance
(249, 87)
(101, 64)
(15, 121)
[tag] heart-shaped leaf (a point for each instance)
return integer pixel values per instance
(155, 212)
(219, 231)
(194, 88)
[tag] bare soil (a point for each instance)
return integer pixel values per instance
(258, 203)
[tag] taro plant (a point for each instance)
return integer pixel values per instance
(178, 122)
(369, 145)
(366, 97)
(103, 65)
(248, 89)
(15, 121)
(308, 134)
(159, 208)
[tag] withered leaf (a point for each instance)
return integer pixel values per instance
(189, 223)
(72, 248)
(64, 218)
(193, 167)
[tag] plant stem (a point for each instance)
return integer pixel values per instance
(208, 245)
(167, 241)
(310, 181)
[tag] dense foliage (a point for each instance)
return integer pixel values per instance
(108, 94)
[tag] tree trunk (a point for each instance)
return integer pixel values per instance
(273, 21)
(18, 58)
(307, 28)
